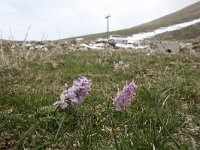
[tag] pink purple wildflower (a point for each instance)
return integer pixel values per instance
(121, 66)
(125, 97)
(76, 94)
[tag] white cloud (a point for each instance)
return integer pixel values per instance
(76, 17)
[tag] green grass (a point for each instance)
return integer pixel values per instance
(164, 115)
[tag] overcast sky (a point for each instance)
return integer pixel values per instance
(55, 19)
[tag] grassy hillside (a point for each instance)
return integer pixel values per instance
(164, 114)
(189, 13)
(186, 14)
(190, 32)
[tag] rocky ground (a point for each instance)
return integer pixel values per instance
(191, 46)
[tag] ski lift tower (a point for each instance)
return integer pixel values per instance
(107, 17)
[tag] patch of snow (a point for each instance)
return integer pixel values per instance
(97, 46)
(126, 46)
(39, 46)
(28, 45)
(144, 35)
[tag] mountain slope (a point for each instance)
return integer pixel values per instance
(186, 14)
(190, 32)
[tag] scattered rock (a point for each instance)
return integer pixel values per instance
(147, 46)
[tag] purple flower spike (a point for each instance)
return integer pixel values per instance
(121, 66)
(79, 91)
(125, 97)
(76, 94)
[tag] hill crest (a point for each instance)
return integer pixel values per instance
(188, 13)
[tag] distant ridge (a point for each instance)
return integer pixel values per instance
(188, 13)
